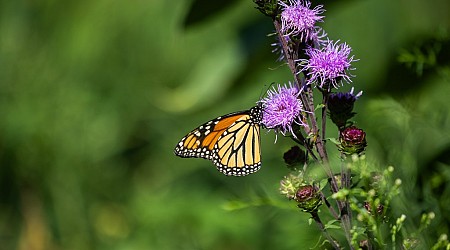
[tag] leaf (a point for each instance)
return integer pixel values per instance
(330, 225)
(235, 205)
(319, 106)
(359, 230)
(323, 183)
(334, 140)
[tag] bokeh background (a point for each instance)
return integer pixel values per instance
(94, 95)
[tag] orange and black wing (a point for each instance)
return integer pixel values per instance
(231, 142)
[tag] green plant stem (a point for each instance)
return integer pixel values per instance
(325, 95)
(320, 142)
(346, 222)
(290, 57)
(371, 240)
(320, 147)
(332, 211)
(303, 142)
(346, 215)
(319, 223)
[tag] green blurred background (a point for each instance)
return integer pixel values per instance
(94, 95)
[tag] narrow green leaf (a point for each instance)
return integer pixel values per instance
(330, 225)
(319, 106)
(334, 140)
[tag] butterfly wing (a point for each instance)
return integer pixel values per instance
(237, 151)
(231, 142)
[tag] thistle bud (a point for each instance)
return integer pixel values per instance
(364, 244)
(379, 209)
(289, 186)
(308, 198)
(353, 141)
(294, 157)
(340, 106)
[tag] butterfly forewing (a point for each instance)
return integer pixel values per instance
(231, 142)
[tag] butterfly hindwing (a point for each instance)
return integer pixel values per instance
(238, 149)
(231, 142)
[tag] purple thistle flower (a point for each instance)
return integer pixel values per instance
(282, 108)
(278, 49)
(298, 19)
(329, 64)
(319, 36)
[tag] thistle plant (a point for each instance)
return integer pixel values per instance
(357, 197)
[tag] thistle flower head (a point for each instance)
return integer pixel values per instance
(340, 106)
(308, 198)
(353, 141)
(298, 19)
(282, 108)
(370, 208)
(294, 157)
(329, 64)
(290, 184)
(278, 49)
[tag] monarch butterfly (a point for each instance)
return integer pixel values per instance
(231, 142)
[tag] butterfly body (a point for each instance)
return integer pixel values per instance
(231, 142)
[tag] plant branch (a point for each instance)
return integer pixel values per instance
(346, 215)
(303, 142)
(332, 211)
(291, 57)
(319, 223)
(325, 95)
(312, 131)
(308, 102)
